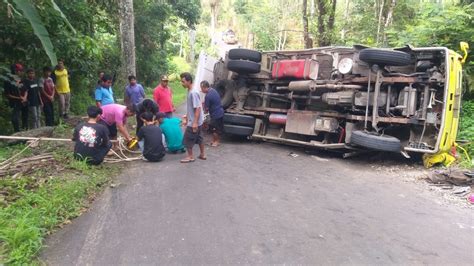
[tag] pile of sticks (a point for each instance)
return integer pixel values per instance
(14, 167)
(25, 165)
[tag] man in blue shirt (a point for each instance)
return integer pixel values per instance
(213, 106)
(104, 94)
(134, 92)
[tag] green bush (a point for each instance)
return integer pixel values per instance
(466, 127)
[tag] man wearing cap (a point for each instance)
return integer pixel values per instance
(16, 94)
(163, 97)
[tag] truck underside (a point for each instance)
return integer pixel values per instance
(342, 98)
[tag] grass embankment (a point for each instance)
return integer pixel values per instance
(46, 196)
(466, 129)
(179, 93)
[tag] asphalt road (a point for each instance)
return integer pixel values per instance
(251, 203)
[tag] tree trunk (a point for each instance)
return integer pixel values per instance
(127, 36)
(192, 42)
(346, 17)
(214, 9)
(379, 25)
(325, 31)
(181, 39)
(308, 43)
(285, 35)
(388, 20)
(331, 18)
(321, 28)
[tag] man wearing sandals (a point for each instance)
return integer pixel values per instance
(213, 106)
(194, 116)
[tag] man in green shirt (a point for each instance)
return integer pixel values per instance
(171, 128)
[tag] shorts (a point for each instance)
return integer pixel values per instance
(112, 129)
(217, 125)
(191, 138)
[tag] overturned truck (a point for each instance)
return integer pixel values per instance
(396, 100)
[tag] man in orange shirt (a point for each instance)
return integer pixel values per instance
(164, 98)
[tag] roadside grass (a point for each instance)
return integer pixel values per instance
(179, 93)
(466, 132)
(35, 204)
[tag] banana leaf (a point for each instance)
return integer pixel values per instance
(31, 14)
(56, 7)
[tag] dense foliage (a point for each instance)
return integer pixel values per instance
(85, 34)
(466, 128)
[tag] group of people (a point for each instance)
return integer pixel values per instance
(157, 131)
(27, 95)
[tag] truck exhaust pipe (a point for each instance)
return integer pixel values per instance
(311, 85)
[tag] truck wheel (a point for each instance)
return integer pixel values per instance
(243, 67)
(376, 142)
(238, 130)
(245, 54)
(226, 92)
(241, 120)
(385, 57)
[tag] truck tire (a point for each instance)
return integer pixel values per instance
(238, 130)
(226, 92)
(243, 67)
(376, 142)
(245, 54)
(385, 57)
(241, 120)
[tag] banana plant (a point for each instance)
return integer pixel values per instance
(30, 12)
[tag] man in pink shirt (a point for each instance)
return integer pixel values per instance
(114, 117)
(164, 98)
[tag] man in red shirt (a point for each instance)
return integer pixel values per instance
(164, 98)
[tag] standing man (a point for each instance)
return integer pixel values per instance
(114, 117)
(62, 87)
(134, 92)
(92, 139)
(163, 97)
(104, 94)
(213, 106)
(195, 118)
(34, 98)
(17, 97)
(47, 96)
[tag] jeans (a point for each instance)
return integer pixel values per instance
(64, 103)
(141, 145)
(35, 112)
(48, 110)
(139, 122)
(18, 110)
